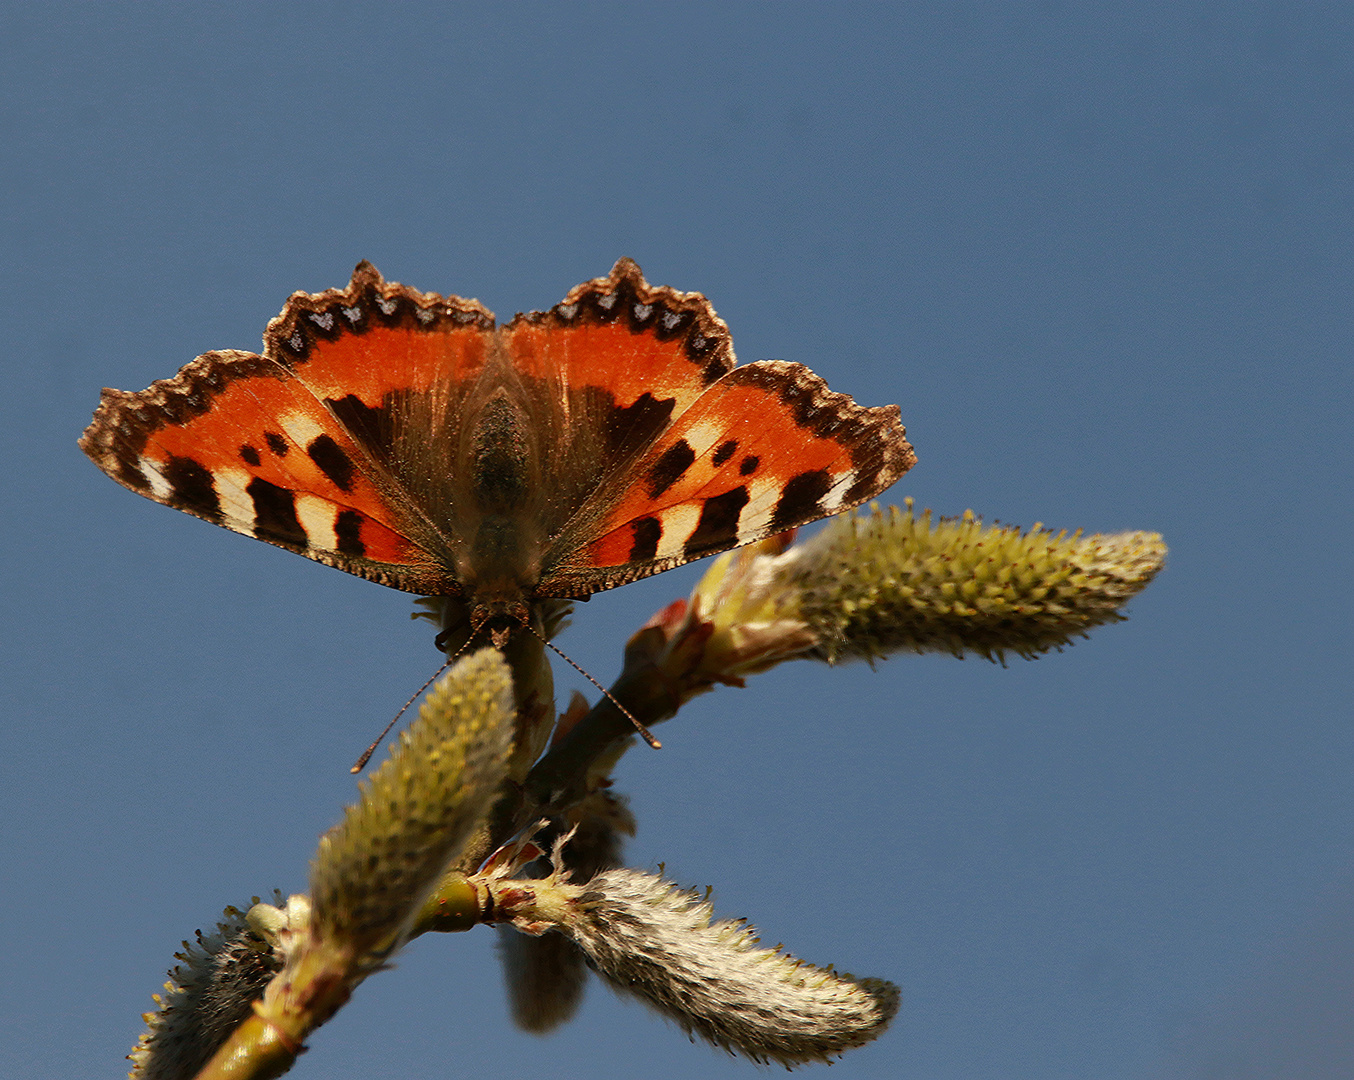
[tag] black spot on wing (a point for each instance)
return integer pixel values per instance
(648, 531)
(723, 452)
(276, 443)
(707, 344)
(249, 455)
(718, 525)
(715, 366)
(348, 533)
(748, 465)
(332, 461)
(275, 514)
(799, 502)
(628, 427)
(366, 423)
(668, 469)
(192, 487)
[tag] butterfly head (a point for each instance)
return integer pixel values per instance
(472, 623)
(498, 619)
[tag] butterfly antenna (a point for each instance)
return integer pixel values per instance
(361, 762)
(644, 732)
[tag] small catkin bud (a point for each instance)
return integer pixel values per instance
(652, 939)
(877, 583)
(208, 994)
(373, 871)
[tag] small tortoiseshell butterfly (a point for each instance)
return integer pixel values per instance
(404, 437)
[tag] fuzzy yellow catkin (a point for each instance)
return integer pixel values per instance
(875, 583)
(373, 870)
(649, 938)
(368, 878)
(208, 993)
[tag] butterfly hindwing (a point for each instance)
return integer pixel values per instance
(620, 334)
(376, 339)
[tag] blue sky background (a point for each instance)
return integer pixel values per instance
(1099, 253)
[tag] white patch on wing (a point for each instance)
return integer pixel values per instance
(301, 428)
(237, 506)
(835, 496)
(231, 478)
(159, 486)
(704, 434)
(316, 516)
(679, 522)
(763, 494)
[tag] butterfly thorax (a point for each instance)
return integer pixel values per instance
(501, 563)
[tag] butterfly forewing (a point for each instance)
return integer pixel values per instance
(234, 439)
(768, 448)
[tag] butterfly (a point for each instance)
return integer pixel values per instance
(406, 438)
